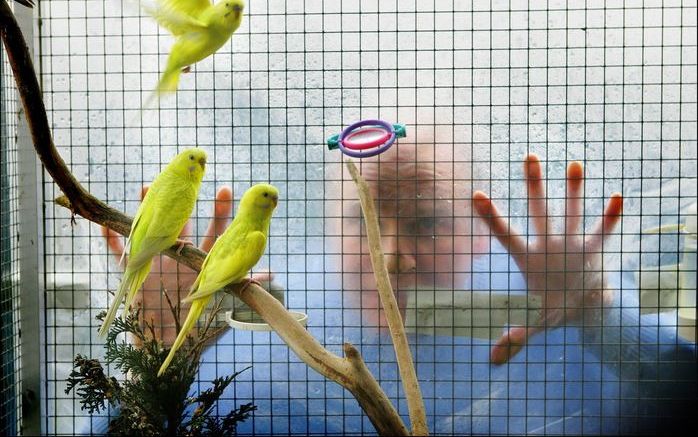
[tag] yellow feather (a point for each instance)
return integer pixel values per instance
(194, 313)
(169, 81)
(200, 27)
(232, 256)
(160, 219)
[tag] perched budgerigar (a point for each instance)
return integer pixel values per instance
(200, 29)
(232, 256)
(161, 217)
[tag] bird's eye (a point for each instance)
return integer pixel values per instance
(191, 157)
(266, 194)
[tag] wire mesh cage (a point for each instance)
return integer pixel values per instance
(480, 86)
(9, 265)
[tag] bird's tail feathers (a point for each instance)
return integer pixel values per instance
(150, 103)
(137, 279)
(116, 303)
(127, 248)
(123, 257)
(194, 312)
(169, 81)
(196, 294)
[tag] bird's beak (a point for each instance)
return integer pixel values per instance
(275, 200)
(237, 12)
(202, 162)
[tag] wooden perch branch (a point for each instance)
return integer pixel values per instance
(413, 393)
(350, 372)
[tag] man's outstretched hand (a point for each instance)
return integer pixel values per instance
(564, 269)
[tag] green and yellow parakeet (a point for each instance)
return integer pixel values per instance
(231, 257)
(159, 220)
(200, 28)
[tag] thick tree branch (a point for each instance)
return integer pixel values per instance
(413, 393)
(350, 372)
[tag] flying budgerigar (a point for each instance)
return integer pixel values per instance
(159, 220)
(231, 257)
(200, 28)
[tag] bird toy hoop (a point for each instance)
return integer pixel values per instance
(366, 138)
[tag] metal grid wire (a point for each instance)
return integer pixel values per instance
(481, 82)
(10, 383)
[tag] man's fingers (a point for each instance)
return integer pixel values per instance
(224, 202)
(186, 231)
(144, 191)
(114, 242)
(606, 224)
(498, 225)
(222, 209)
(573, 209)
(537, 203)
(510, 344)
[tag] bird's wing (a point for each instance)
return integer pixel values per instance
(134, 225)
(165, 210)
(193, 8)
(145, 247)
(217, 250)
(177, 16)
(140, 225)
(225, 267)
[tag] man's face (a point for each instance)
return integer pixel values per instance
(425, 223)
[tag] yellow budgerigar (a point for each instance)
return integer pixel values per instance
(231, 257)
(160, 218)
(200, 29)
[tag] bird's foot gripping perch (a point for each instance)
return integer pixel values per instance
(247, 282)
(181, 243)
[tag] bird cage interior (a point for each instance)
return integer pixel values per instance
(348, 217)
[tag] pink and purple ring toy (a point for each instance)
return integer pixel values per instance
(366, 138)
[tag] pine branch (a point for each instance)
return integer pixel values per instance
(94, 387)
(229, 425)
(152, 405)
(207, 399)
(175, 309)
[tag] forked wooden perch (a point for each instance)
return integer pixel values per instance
(350, 372)
(413, 393)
